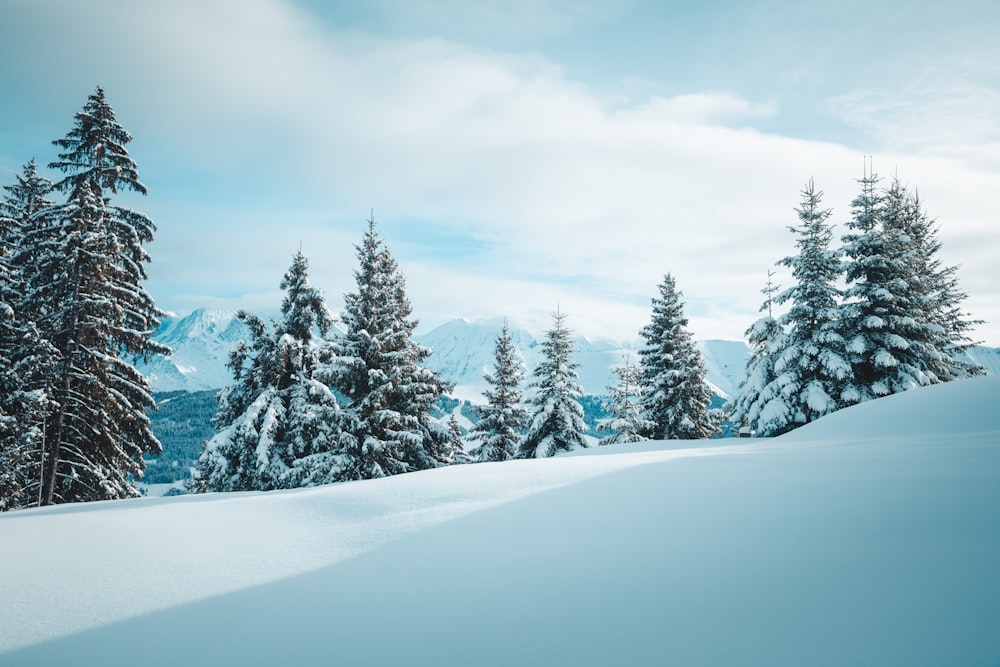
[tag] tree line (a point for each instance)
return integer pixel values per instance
(310, 406)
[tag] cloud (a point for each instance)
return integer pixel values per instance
(503, 185)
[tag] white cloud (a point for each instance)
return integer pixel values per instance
(570, 196)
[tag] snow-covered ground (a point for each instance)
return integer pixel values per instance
(871, 537)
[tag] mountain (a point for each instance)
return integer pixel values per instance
(987, 357)
(462, 349)
(201, 343)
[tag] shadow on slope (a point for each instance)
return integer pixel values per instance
(874, 555)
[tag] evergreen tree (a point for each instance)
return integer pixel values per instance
(811, 370)
(502, 420)
(936, 293)
(378, 369)
(557, 421)
(24, 199)
(626, 423)
(459, 455)
(25, 361)
(25, 358)
(676, 400)
(896, 340)
(281, 426)
(82, 264)
(760, 402)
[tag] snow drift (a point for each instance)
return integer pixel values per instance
(870, 537)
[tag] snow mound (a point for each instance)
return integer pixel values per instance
(952, 408)
(877, 544)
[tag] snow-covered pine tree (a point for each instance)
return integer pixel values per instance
(936, 291)
(25, 358)
(459, 455)
(503, 418)
(83, 263)
(280, 424)
(25, 361)
(557, 420)
(676, 400)
(626, 423)
(26, 197)
(811, 369)
(378, 369)
(891, 341)
(760, 402)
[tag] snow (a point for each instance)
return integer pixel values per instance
(868, 537)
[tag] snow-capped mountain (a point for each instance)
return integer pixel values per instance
(987, 357)
(462, 349)
(201, 343)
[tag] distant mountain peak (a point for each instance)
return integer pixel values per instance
(462, 349)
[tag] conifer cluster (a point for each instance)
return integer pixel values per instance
(74, 315)
(876, 316)
(309, 406)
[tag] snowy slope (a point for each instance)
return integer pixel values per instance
(868, 538)
(725, 364)
(987, 357)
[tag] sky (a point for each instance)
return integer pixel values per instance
(519, 156)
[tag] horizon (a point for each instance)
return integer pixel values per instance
(519, 156)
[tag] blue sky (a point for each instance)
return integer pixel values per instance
(518, 155)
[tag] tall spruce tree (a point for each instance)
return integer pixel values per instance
(281, 426)
(761, 402)
(894, 342)
(676, 401)
(937, 298)
(811, 370)
(557, 420)
(378, 369)
(83, 264)
(25, 358)
(626, 423)
(503, 418)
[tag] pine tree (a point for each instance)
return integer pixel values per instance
(502, 420)
(378, 369)
(811, 370)
(676, 399)
(760, 402)
(82, 264)
(936, 293)
(25, 358)
(25, 198)
(459, 455)
(626, 423)
(895, 341)
(25, 361)
(281, 426)
(557, 421)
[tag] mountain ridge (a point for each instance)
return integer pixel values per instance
(462, 350)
